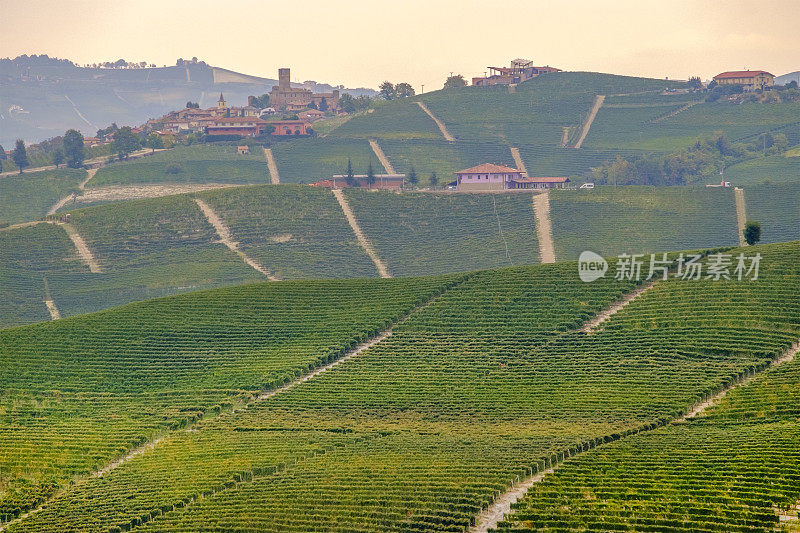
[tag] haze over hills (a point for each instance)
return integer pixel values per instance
(41, 97)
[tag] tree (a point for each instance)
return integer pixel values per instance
(2, 153)
(387, 90)
(752, 232)
(454, 82)
(312, 105)
(350, 177)
(58, 157)
(192, 105)
(323, 104)
(412, 176)
(434, 179)
(695, 83)
(154, 142)
(370, 175)
(125, 142)
(73, 148)
(20, 155)
(404, 90)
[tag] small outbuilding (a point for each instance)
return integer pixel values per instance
(242, 150)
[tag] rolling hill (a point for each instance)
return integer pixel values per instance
(469, 385)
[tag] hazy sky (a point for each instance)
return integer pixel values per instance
(363, 42)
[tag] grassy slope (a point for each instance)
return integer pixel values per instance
(641, 220)
(198, 164)
(293, 231)
(421, 233)
(474, 391)
(29, 196)
(776, 168)
(77, 392)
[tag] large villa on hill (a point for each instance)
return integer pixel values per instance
(492, 177)
(749, 79)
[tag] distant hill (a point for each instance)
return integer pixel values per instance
(788, 78)
(41, 97)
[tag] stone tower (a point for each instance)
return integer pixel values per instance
(284, 79)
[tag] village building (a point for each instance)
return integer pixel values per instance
(311, 115)
(382, 181)
(242, 126)
(284, 97)
(290, 127)
(519, 71)
(492, 177)
(243, 150)
(751, 80)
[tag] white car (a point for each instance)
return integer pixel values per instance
(587, 186)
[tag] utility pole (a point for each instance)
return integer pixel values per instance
(423, 88)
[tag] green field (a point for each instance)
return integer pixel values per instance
(777, 208)
(634, 219)
(294, 231)
(732, 469)
(30, 196)
(403, 119)
(488, 384)
(200, 163)
(776, 168)
(308, 160)
(423, 234)
(78, 392)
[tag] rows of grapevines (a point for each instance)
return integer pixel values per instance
(611, 221)
(30, 196)
(77, 392)
(430, 234)
(294, 231)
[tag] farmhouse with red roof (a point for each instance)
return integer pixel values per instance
(749, 79)
(492, 177)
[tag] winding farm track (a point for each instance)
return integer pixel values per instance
(675, 112)
(274, 177)
(227, 239)
(353, 352)
(362, 239)
(518, 161)
(438, 122)
(387, 165)
(616, 307)
(82, 186)
(82, 247)
(492, 515)
(598, 103)
(741, 213)
(544, 228)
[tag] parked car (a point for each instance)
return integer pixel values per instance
(587, 186)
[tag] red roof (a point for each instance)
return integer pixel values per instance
(542, 180)
(741, 74)
(249, 120)
(489, 168)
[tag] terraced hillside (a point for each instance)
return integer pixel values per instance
(736, 467)
(489, 383)
(77, 393)
(611, 221)
(294, 231)
(30, 196)
(422, 234)
(199, 163)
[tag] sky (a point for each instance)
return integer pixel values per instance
(360, 43)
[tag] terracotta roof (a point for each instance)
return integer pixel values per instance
(286, 122)
(542, 180)
(249, 120)
(741, 74)
(489, 168)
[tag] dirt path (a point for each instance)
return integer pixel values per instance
(598, 102)
(272, 166)
(362, 239)
(489, 518)
(544, 229)
(82, 247)
(387, 165)
(61, 203)
(675, 112)
(26, 224)
(225, 237)
(741, 213)
(80, 115)
(616, 307)
(438, 122)
(564, 137)
(116, 193)
(519, 162)
(51, 307)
